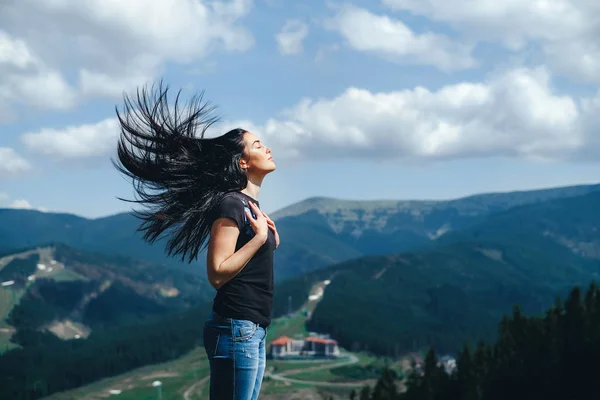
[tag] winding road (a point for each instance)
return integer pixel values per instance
(188, 392)
(283, 376)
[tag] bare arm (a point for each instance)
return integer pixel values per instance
(223, 262)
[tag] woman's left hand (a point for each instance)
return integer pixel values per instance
(271, 226)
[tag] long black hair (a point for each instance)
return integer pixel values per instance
(178, 175)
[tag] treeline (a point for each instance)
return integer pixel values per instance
(19, 269)
(404, 311)
(46, 365)
(136, 273)
(440, 297)
(48, 300)
(553, 356)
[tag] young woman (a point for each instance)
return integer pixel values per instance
(203, 192)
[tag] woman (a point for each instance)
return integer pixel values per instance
(203, 192)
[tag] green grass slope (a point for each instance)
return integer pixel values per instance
(457, 288)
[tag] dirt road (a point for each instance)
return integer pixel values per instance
(284, 375)
(197, 385)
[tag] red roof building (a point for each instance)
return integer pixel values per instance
(312, 346)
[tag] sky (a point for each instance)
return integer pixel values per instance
(379, 99)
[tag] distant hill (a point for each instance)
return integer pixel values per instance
(71, 292)
(109, 235)
(315, 233)
(458, 287)
(320, 231)
(571, 222)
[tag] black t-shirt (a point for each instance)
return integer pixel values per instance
(249, 295)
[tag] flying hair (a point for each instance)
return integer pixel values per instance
(178, 175)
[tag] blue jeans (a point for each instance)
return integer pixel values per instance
(237, 357)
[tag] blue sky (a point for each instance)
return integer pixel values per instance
(386, 99)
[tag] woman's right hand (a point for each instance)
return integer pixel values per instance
(259, 224)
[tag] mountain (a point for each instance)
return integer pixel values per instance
(498, 250)
(571, 222)
(71, 292)
(458, 287)
(109, 235)
(320, 231)
(315, 233)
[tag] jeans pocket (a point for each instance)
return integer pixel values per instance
(211, 341)
(243, 330)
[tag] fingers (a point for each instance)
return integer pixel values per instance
(253, 206)
(266, 216)
(269, 221)
(259, 213)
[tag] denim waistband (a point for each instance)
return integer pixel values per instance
(215, 315)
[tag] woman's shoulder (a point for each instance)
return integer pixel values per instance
(234, 199)
(231, 206)
(234, 202)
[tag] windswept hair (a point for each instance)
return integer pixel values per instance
(178, 175)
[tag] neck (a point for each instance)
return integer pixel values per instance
(253, 188)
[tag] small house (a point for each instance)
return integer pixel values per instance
(321, 347)
(311, 346)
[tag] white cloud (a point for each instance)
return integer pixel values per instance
(566, 31)
(516, 114)
(25, 79)
(23, 204)
(291, 37)
(82, 141)
(393, 40)
(11, 163)
(108, 46)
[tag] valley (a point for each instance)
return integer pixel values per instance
(386, 280)
(187, 376)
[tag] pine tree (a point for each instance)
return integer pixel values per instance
(365, 393)
(413, 383)
(573, 343)
(481, 359)
(430, 375)
(465, 375)
(551, 357)
(593, 336)
(385, 388)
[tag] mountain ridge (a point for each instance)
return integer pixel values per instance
(575, 188)
(294, 209)
(310, 240)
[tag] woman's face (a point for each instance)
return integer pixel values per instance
(257, 157)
